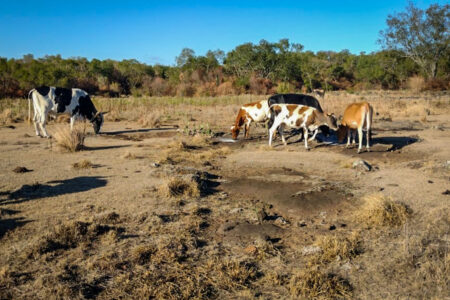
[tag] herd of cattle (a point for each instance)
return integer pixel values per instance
(296, 111)
(299, 111)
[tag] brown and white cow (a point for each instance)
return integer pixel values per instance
(298, 116)
(357, 116)
(248, 113)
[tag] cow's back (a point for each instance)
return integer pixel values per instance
(299, 99)
(354, 113)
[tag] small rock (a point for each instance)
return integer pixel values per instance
(308, 250)
(155, 165)
(446, 164)
(323, 214)
(236, 210)
(302, 223)
(21, 170)
(447, 192)
(430, 181)
(332, 227)
(346, 267)
(251, 249)
(280, 221)
(362, 164)
(262, 215)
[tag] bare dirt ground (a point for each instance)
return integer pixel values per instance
(260, 223)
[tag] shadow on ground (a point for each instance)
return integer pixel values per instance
(54, 188)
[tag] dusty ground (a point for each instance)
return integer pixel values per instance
(245, 236)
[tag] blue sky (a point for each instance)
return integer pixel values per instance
(156, 31)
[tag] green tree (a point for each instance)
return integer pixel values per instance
(423, 35)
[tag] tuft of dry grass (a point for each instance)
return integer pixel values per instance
(377, 210)
(70, 141)
(177, 187)
(337, 247)
(150, 119)
(83, 164)
(129, 155)
(6, 116)
(313, 283)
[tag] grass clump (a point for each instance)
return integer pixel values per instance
(70, 140)
(83, 164)
(337, 247)
(378, 210)
(177, 187)
(315, 284)
(69, 235)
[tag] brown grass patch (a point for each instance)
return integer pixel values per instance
(313, 283)
(83, 164)
(6, 116)
(150, 119)
(378, 210)
(70, 141)
(177, 187)
(337, 247)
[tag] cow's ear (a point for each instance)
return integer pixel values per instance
(105, 112)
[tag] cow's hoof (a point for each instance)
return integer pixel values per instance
(308, 149)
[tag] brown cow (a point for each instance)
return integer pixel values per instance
(356, 117)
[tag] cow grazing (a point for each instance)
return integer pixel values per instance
(248, 113)
(300, 99)
(55, 100)
(357, 116)
(298, 116)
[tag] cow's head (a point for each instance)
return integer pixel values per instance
(234, 132)
(97, 121)
(331, 121)
(342, 133)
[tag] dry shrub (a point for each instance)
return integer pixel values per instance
(416, 83)
(62, 118)
(337, 247)
(226, 88)
(129, 155)
(185, 90)
(313, 283)
(69, 235)
(83, 164)
(437, 84)
(6, 116)
(150, 119)
(177, 187)
(378, 210)
(70, 140)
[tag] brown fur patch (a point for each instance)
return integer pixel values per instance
(276, 109)
(353, 113)
(291, 108)
(302, 110)
(299, 122)
(258, 106)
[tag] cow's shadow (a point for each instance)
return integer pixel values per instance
(54, 188)
(7, 224)
(397, 142)
(137, 130)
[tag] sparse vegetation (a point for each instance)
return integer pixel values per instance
(83, 164)
(70, 140)
(176, 187)
(378, 210)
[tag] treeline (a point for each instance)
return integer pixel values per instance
(261, 68)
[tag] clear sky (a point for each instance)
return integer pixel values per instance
(156, 31)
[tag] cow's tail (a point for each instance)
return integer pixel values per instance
(30, 95)
(369, 121)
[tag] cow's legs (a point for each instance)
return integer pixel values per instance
(280, 131)
(368, 133)
(349, 137)
(72, 122)
(36, 123)
(247, 128)
(360, 137)
(314, 135)
(305, 134)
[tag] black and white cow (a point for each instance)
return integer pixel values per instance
(76, 102)
(299, 99)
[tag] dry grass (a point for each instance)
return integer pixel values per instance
(129, 155)
(337, 247)
(6, 117)
(312, 283)
(150, 119)
(83, 164)
(377, 210)
(70, 141)
(177, 187)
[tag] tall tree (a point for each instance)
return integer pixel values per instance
(423, 35)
